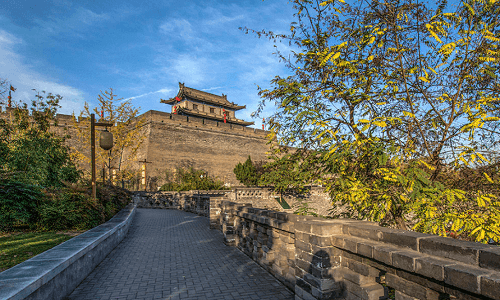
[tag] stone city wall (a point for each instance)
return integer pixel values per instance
(181, 142)
(175, 141)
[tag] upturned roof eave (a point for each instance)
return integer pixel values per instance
(214, 117)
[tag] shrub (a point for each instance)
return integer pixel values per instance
(18, 204)
(191, 179)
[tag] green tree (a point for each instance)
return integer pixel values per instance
(396, 96)
(246, 173)
(29, 151)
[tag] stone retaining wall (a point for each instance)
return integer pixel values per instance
(55, 273)
(350, 259)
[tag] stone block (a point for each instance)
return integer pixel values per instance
(325, 229)
(490, 286)
(338, 241)
(356, 277)
(464, 276)
(350, 245)
(362, 268)
(365, 247)
(328, 294)
(405, 260)
(321, 284)
(401, 238)
(383, 253)
(363, 231)
(323, 241)
(302, 236)
(303, 227)
(432, 267)
(489, 258)
(303, 246)
(351, 256)
(372, 291)
(303, 265)
(463, 251)
(303, 293)
(410, 288)
(401, 296)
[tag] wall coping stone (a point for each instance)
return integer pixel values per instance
(45, 274)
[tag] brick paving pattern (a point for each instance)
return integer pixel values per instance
(171, 254)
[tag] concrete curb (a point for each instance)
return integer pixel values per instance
(55, 273)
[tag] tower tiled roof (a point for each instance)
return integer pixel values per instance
(187, 92)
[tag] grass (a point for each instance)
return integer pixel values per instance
(17, 247)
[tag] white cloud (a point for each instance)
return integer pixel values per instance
(189, 69)
(164, 91)
(75, 24)
(24, 78)
(180, 26)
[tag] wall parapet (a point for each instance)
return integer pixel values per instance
(55, 273)
(202, 123)
(351, 259)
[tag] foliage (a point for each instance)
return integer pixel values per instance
(191, 179)
(394, 97)
(126, 130)
(18, 204)
(69, 209)
(29, 151)
(289, 171)
(302, 208)
(247, 173)
(16, 248)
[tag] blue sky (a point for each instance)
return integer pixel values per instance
(141, 49)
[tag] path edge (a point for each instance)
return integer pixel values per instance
(55, 273)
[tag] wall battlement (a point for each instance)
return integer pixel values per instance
(202, 123)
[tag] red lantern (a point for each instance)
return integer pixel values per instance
(263, 121)
(178, 99)
(175, 109)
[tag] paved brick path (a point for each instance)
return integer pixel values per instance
(171, 254)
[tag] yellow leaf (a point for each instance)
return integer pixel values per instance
(379, 123)
(363, 121)
(424, 79)
(488, 178)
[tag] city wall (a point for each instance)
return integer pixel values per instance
(181, 142)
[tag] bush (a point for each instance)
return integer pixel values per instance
(68, 209)
(191, 179)
(18, 204)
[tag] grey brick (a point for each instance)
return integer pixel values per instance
(174, 254)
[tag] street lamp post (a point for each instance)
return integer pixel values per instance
(106, 142)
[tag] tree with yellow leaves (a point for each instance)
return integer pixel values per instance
(400, 100)
(126, 130)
